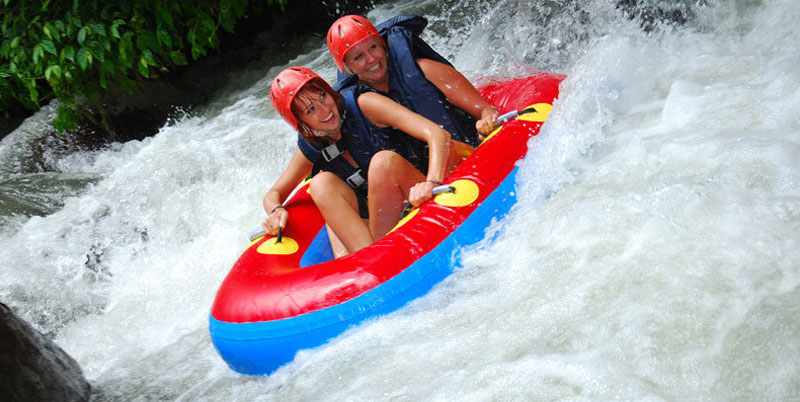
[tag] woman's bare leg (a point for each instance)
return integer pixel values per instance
(338, 204)
(339, 250)
(390, 178)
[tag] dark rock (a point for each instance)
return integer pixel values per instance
(33, 368)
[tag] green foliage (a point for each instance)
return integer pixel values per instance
(75, 49)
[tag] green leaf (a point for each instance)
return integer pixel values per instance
(68, 53)
(37, 53)
(178, 58)
(165, 38)
(53, 73)
(84, 58)
(208, 23)
(97, 50)
(126, 52)
(50, 47)
(82, 35)
(97, 28)
(197, 51)
(115, 32)
(34, 95)
(147, 56)
(143, 67)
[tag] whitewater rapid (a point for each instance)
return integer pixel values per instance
(652, 256)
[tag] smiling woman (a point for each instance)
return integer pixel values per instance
(342, 156)
(395, 61)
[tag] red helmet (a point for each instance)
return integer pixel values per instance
(285, 88)
(347, 32)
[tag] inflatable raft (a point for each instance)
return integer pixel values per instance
(284, 296)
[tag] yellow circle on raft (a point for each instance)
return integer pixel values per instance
(405, 219)
(286, 246)
(542, 110)
(540, 115)
(466, 193)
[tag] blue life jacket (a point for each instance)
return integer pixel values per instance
(409, 87)
(330, 158)
(387, 138)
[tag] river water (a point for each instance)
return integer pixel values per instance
(653, 254)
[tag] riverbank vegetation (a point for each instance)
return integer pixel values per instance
(75, 50)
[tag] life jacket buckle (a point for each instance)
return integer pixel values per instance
(355, 180)
(331, 152)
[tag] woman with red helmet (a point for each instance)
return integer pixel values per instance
(343, 157)
(393, 61)
(359, 48)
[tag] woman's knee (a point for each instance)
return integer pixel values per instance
(323, 184)
(386, 164)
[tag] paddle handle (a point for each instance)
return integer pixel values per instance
(504, 118)
(444, 188)
(260, 232)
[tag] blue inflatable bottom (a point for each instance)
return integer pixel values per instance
(259, 348)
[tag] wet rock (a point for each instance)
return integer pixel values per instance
(33, 368)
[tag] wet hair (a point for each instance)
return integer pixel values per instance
(313, 87)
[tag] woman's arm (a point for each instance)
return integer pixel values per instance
(460, 92)
(299, 167)
(385, 112)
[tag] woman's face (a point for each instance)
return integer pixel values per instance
(368, 60)
(318, 110)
